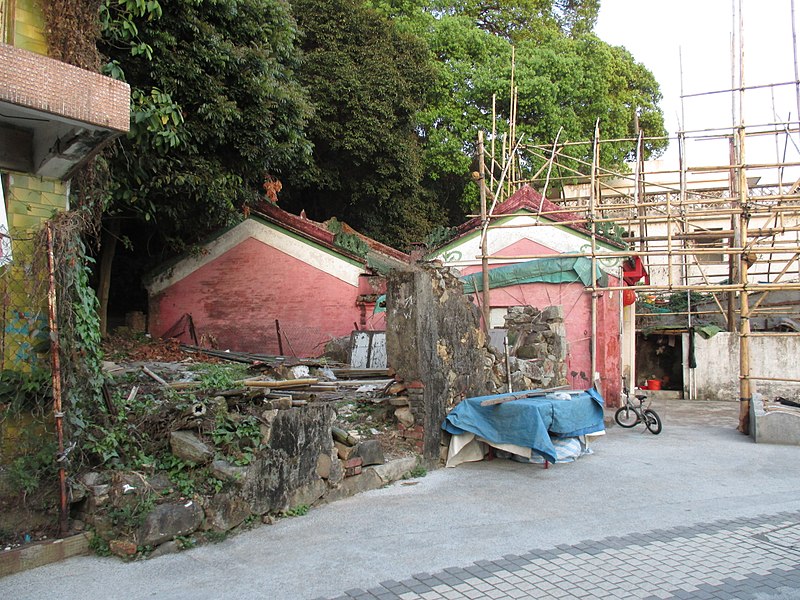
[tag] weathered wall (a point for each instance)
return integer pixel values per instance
(237, 296)
(435, 344)
(717, 372)
(27, 27)
(577, 304)
(23, 283)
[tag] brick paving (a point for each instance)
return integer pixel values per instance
(748, 558)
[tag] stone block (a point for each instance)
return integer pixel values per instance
(227, 472)
(337, 471)
(170, 547)
(168, 521)
(404, 416)
(368, 480)
(324, 463)
(554, 314)
(344, 451)
(307, 494)
(394, 469)
(187, 446)
(370, 452)
(223, 512)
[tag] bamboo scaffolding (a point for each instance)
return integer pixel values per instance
(693, 226)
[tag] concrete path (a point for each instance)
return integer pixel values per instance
(697, 512)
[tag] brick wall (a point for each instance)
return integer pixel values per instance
(40, 83)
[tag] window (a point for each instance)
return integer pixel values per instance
(5, 237)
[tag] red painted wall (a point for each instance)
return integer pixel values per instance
(237, 297)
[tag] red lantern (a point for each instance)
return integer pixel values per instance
(628, 297)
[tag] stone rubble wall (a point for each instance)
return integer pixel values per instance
(439, 351)
(296, 465)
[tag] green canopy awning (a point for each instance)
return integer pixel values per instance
(559, 269)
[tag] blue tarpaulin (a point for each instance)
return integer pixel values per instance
(528, 422)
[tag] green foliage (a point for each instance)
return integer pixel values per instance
(131, 515)
(352, 243)
(215, 110)
(99, 546)
(567, 79)
(180, 473)
(220, 377)
(416, 472)
(21, 391)
(679, 302)
(367, 80)
(36, 466)
(185, 542)
(298, 511)
(439, 236)
(237, 436)
(118, 441)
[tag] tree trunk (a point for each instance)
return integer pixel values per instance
(108, 249)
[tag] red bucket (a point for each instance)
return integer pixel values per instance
(653, 384)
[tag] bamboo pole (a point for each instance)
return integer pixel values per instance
(593, 191)
(55, 361)
(485, 238)
(745, 392)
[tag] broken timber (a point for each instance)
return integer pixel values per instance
(503, 398)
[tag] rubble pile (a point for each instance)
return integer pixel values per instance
(537, 347)
(213, 459)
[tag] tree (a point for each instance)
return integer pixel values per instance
(216, 109)
(367, 81)
(567, 79)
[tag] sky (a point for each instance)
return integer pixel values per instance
(663, 34)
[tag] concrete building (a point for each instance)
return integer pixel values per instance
(53, 118)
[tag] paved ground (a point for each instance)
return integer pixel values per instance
(696, 512)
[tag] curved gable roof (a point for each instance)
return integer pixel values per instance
(527, 199)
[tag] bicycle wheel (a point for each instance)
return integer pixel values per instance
(626, 417)
(652, 421)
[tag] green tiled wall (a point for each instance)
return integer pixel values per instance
(29, 27)
(23, 284)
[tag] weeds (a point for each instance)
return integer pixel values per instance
(298, 511)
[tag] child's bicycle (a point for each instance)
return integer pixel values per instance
(631, 415)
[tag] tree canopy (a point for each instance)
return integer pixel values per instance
(367, 81)
(216, 109)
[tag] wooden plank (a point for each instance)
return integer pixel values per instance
(42, 553)
(502, 399)
(277, 385)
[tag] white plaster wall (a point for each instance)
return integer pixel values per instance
(559, 238)
(717, 372)
(271, 235)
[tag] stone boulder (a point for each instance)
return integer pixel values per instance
(168, 521)
(225, 511)
(370, 452)
(187, 446)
